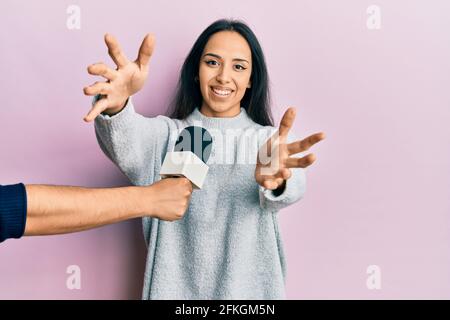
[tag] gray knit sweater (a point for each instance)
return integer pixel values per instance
(228, 244)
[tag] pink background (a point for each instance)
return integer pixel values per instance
(377, 195)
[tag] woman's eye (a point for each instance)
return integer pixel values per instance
(239, 67)
(211, 63)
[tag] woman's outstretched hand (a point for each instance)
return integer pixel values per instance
(126, 80)
(274, 158)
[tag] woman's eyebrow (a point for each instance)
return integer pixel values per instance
(219, 57)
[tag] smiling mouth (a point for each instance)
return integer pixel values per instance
(223, 93)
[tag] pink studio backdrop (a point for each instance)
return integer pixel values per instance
(377, 195)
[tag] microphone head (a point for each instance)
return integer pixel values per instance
(197, 140)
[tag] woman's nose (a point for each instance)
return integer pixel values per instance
(223, 76)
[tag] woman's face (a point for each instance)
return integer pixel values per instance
(224, 74)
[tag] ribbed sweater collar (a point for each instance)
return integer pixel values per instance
(242, 120)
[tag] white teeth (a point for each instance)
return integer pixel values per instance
(221, 92)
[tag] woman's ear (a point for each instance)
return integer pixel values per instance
(249, 84)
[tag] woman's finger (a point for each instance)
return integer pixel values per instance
(115, 52)
(146, 50)
(273, 184)
(300, 162)
(97, 88)
(284, 173)
(286, 122)
(101, 69)
(270, 184)
(100, 106)
(305, 144)
(279, 182)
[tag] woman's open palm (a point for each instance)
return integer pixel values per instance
(126, 80)
(274, 161)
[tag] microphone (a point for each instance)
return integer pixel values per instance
(191, 152)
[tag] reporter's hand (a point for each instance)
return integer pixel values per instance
(169, 198)
(126, 80)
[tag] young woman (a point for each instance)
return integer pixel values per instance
(228, 245)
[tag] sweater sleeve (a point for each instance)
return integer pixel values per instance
(132, 141)
(13, 211)
(294, 190)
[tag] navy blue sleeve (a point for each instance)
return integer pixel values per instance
(13, 211)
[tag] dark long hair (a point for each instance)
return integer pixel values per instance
(256, 100)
